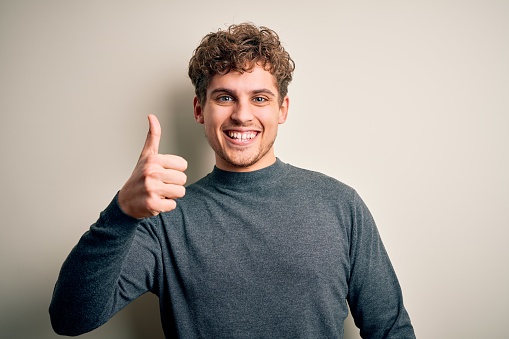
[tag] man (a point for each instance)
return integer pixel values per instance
(257, 248)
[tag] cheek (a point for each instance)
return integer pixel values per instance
(216, 118)
(212, 125)
(271, 120)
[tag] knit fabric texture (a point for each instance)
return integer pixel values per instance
(273, 253)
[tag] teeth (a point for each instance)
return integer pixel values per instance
(241, 135)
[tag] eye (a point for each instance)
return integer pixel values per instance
(259, 99)
(225, 98)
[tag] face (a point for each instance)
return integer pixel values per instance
(241, 115)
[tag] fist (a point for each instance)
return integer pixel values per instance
(157, 179)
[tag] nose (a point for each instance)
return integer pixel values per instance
(242, 113)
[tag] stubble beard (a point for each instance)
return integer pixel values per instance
(239, 160)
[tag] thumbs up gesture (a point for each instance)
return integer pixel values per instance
(157, 179)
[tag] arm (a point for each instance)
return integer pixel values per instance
(116, 260)
(374, 296)
(98, 277)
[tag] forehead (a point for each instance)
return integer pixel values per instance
(256, 79)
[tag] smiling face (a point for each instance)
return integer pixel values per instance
(241, 114)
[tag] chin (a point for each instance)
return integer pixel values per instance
(241, 162)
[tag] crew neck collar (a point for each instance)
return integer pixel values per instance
(248, 179)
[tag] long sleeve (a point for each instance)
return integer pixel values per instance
(374, 296)
(112, 264)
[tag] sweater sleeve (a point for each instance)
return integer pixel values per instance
(374, 296)
(112, 264)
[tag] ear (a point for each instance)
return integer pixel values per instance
(283, 110)
(198, 112)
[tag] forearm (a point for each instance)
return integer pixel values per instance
(375, 296)
(84, 294)
(376, 302)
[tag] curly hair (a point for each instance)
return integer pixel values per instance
(240, 48)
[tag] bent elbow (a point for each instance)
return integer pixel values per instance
(64, 323)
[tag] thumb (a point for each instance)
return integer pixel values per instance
(153, 137)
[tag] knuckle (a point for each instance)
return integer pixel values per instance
(153, 203)
(147, 186)
(150, 205)
(150, 171)
(153, 159)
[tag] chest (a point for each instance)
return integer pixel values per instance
(245, 244)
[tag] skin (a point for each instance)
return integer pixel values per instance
(241, 115)
(156, 181)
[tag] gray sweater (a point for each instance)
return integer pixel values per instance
(274, 253)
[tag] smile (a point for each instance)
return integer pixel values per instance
(241, 136)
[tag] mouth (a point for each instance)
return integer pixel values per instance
(241, 136)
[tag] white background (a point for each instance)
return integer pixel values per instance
(406, 101)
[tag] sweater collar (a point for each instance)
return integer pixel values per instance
(248, 180)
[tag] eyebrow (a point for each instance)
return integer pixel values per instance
(264, 91)
(232, 92)
(221, 90)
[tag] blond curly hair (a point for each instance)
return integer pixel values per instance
(239, 48)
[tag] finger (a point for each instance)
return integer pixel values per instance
(153, 137)
(168, 191)
(168, 205)
(175, 177)
(162, 205)
(171, 161)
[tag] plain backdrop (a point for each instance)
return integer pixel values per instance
(406, 101)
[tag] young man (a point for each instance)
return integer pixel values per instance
(257, 248)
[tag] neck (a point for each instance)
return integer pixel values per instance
(266, 161)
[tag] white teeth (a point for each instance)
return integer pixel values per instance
(241, 135)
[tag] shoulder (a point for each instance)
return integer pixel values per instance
(317, 181)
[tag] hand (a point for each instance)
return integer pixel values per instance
(157, 179)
